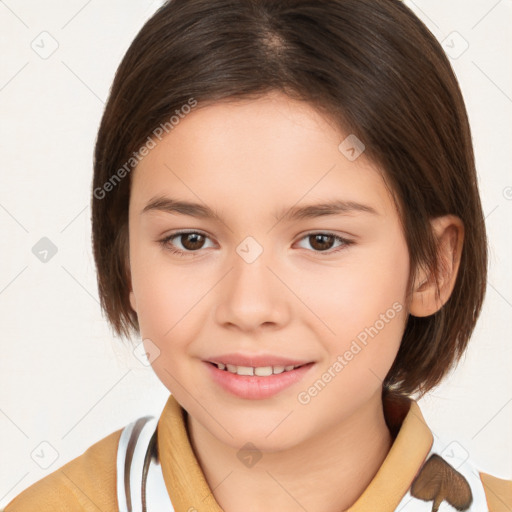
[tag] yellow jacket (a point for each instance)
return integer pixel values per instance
(90, 482)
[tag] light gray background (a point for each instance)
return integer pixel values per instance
(65, 381)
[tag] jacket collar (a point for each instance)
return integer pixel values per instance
(189, 490)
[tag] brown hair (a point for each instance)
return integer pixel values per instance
(373, 68)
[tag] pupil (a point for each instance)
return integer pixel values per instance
(318, 239)
(192, 241)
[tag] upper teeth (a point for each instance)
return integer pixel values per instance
(260, 371)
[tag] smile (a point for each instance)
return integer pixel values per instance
(256, 383)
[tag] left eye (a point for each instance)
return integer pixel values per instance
(322, 242)
(192, 241)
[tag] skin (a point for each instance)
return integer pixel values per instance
(247, 159)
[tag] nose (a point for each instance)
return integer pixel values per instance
(252, 294)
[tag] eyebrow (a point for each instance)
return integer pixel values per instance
(336, 207)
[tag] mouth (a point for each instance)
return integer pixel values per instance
(258, 371)
(256, 382)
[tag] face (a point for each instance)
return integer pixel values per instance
(253, 279)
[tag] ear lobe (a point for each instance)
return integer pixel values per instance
(431, 291)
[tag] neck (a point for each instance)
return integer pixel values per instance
(326, 473)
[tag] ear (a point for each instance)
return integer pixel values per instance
(133, 304)
(132, 301)
(430, 292)
(127, 266)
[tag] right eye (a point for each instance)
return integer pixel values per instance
(191, 241)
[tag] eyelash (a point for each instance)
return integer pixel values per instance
(165, 242)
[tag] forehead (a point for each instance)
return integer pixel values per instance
(263, 155)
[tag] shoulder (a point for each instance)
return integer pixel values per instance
(498, 493)
(449, 479)
(86, 483)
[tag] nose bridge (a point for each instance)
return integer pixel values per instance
(253, 295)
(251, 273)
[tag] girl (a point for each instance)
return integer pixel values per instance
(285, 210)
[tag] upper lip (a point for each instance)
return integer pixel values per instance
(255, 361)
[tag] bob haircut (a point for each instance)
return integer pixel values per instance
(369, 66)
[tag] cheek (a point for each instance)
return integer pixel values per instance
(363, 304)
(366, 284)
(166, 295)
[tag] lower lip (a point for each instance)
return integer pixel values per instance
(253, 387)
